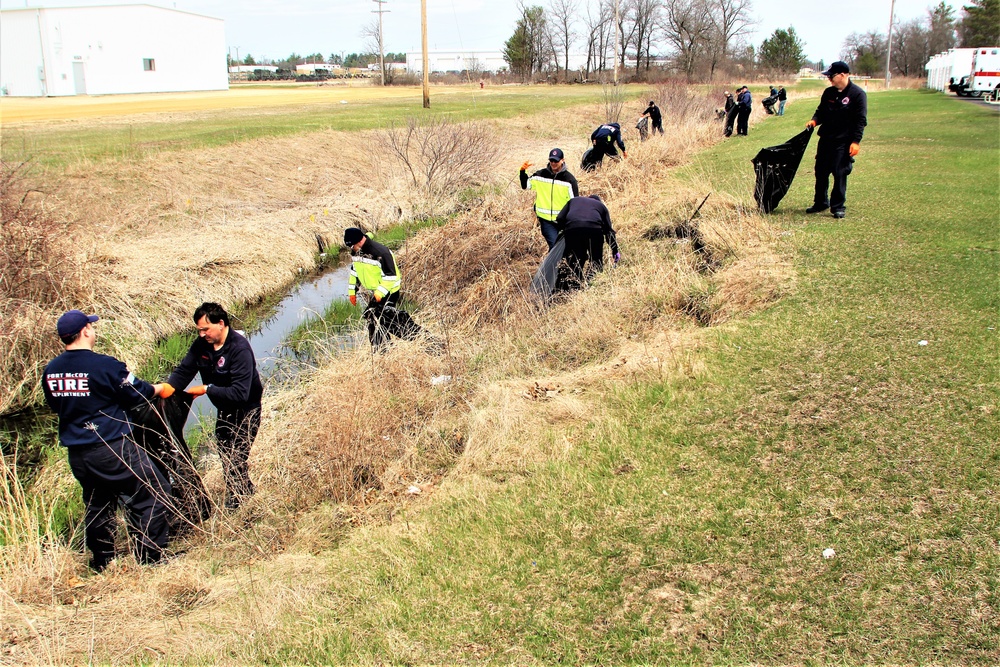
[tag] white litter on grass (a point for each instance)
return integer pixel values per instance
(440, 379)
(414, 490)
(343, 101)
(923, 342)
(829, 553)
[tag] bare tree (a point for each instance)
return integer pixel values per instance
(910, 47)
(563, 13)
(599, 25)
(642, 16)
(731, 23)
(687, 27)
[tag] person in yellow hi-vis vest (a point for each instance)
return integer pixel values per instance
(554, 186)
(374, 268)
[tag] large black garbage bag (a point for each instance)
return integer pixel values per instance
(591, 158)
(158, 427)
(547, 275)
(775, 168)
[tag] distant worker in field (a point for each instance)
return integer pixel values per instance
(228, 369)
(842, 115)
(652, 112)
(731, 110)
(553, 186)
(604, 139)
(744, 104)
(374, 268)
(782, 98)
(585, 223)
(91, 393)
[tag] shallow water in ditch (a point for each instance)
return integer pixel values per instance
(306, 301)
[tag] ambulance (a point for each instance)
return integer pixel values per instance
(985, 71)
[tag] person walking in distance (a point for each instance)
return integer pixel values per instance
(744, 102)
(842, 116)
(553, 186)
(782, 98)
(91, 394)
(228, 369)
(653, 113)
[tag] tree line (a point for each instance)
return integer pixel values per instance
(349, 60)
(915, 41)
(707, 39)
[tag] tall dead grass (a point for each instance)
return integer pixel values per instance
(39, 274)
(365, 436)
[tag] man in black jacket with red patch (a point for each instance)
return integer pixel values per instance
(228, 369)
(842, 115)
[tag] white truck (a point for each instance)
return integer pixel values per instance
(985, 71)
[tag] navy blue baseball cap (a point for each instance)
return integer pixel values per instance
(556, 154)
(837, 67)
(72, 321)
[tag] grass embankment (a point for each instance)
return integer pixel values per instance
(688, 523)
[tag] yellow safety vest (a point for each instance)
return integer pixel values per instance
(550, 196)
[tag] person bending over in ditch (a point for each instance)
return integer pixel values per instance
(604, 139)
(586, 223)
(91, 393)
(228, 369)
(374, 268)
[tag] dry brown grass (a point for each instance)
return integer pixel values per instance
(340, 451)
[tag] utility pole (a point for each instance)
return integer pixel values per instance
(381, 62)
(888, 53)
(426, 59)
(617, 28)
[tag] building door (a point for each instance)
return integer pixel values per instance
(79, 78)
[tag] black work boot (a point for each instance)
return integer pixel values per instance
(817, 208)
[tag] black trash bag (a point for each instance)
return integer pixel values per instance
(547, 275)
(731, 119)
(591, 158)
(775, 168)
(769, 103)
(158, 427)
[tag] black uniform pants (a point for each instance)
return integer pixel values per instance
(385, 319)
(235, 431)
(121, 471)
(742, 120)
(731, 119)
(657, 125)
(832, 159)
(583, 245)
(604, 147)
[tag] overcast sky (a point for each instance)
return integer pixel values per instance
(275, 29)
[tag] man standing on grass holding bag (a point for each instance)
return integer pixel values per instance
(228, 369)
(842, 115)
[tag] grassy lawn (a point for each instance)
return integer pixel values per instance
(689, 526)
(213, 122)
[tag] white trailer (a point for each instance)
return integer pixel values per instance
(948, 67)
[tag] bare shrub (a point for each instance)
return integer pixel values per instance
(685, 103)
(439, 156)
(613, 98)
(38, 279)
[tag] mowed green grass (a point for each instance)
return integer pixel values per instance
(689, 527)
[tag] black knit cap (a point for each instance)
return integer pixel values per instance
(352, 235)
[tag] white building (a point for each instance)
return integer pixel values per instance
(110, 49)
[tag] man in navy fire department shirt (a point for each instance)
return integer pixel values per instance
(91, 393)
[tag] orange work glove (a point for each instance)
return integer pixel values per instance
(524, 167)
(378, 297)
(624, 153)
(164, 390)
(354, 299)
(854, 149)
(199, 390)
(811, 124)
